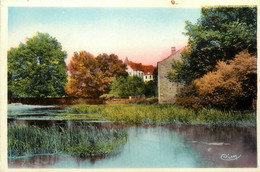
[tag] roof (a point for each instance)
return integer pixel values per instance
(146, 69)
(135, 66)
(179, 51)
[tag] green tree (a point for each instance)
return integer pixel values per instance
(90, 76)
(37, 68)
(127, 86)
(150, 88)
(219, 34)
(155, 81)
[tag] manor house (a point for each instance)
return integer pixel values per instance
(138, 69)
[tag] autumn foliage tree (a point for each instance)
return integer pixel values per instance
(232, 85)
(90, 76)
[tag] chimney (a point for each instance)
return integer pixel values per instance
(173, 49)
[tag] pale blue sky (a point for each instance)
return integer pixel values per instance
(142, 34)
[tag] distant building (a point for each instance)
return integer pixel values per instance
(167, 90)
(137, 69)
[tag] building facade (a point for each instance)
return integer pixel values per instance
(137, 69)
(167, 90)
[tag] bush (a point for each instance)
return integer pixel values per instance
(231, 86)
(231, 82)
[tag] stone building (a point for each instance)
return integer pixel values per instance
(167, 90)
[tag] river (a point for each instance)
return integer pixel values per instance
(148, 146)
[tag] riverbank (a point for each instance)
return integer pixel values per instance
(164, 114)
(68, 101)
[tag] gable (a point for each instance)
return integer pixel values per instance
(176, 56)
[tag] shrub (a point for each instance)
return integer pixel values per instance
(231, 82)
(231, 86)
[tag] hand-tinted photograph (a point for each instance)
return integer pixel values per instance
(128, 87)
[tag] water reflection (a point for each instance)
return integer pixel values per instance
(19, 109)
(212, 142)
(169, 146)
(151, 146)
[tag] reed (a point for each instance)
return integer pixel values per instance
(71, 116)
(157, 113)
(227, 117)
(89, 141)
(83, 108)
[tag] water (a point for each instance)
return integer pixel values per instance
(151, 146)
(145, 148)
(33, 112)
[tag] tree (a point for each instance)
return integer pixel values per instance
(231, 85)
(179, 72)
(219, 34)
(37, 68)
(90, 76)
(150, 88)
(127, 86)
(155, 81)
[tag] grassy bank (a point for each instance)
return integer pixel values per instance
(156, 113)
(89, 141)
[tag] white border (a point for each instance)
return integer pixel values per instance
(98, 3)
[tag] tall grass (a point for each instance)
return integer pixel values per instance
(83, 108)
(156, 113)
(218, 117)
(89, 141)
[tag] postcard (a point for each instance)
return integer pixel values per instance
(120, 85)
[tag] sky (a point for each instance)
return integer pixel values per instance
(144, 35)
